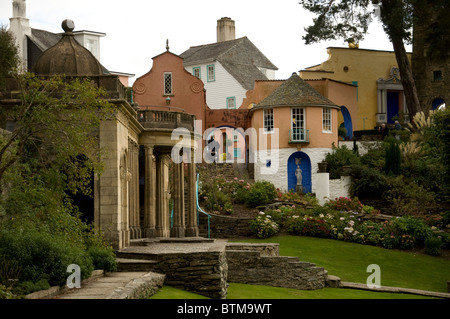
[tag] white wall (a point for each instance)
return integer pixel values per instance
(340, 187)
(322, 186)
(223, 87)
(278, 173)
(363, 146)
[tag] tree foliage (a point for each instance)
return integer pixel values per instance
(9, 59)
(349, 20)
(346, 19)
(55, 125)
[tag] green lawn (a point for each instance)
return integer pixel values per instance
(244, 291)
(348, 261)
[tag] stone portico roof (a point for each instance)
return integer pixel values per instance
(67, 57)
(42, 40)
(295, 92)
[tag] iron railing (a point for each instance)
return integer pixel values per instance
(298, 135)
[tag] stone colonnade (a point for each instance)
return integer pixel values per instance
(157, 194)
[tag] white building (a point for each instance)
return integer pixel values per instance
(228, 68)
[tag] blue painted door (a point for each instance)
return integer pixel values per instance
(392, 106)
(305, 166)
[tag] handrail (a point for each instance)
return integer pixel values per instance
(298, 135)
(199, 209)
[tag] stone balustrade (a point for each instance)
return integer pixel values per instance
(153, 119)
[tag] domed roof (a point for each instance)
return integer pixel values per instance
(295, 92)
(67, 57)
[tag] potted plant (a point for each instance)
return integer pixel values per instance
(322, 167)
(342, 132)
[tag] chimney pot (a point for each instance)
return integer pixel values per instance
(225, 29)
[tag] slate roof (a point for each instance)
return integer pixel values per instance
(294, 92)
(44, 39)
(240, 57)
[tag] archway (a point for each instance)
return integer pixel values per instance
(437, 103)
(83, 197)
(232, 142)
(305, 166)
(347, 121)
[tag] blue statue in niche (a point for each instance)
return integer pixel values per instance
(298, 174)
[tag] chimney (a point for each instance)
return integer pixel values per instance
(20, 27)
(19, 9)
(225, 29)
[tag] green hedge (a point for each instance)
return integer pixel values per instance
(43, 256)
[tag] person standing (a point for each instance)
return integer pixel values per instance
(384, 130)
(397, 128)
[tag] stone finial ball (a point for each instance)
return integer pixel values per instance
(68, 25)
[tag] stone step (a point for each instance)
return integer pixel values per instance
(127, 264)
(255, 266)
(136, 255)
(333, 282)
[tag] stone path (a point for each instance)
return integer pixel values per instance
(435, 294)
(117, 285)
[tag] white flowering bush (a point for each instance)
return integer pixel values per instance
(263, 226)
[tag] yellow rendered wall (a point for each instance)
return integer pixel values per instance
(364, 66)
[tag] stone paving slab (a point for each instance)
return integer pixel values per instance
(186, 246)
(117, 285)
(395, 290)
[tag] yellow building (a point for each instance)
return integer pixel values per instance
(380, 93)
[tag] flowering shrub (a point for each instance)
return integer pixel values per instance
(294, 197)
(219, 194)
(263, 226)
(322, 221)
(308, 226)
(346, 204)
(260, 193)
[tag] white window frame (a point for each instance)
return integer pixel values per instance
(197, 68)
(166, 92)
(210, 77)
(297, 116)
(232, 100)
(268, 121)
(327, 123)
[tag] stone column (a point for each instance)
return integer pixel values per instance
(149, 193)
(379, 101)
(131, 189)
(125, 178)
(384, 102)
(162, 228)
(192, 227)
(137, 208)
(178, 228)
(134, 191)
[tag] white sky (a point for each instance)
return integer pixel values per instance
(136, 30)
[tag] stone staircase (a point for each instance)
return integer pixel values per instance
(226, 170)
(258, 264)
